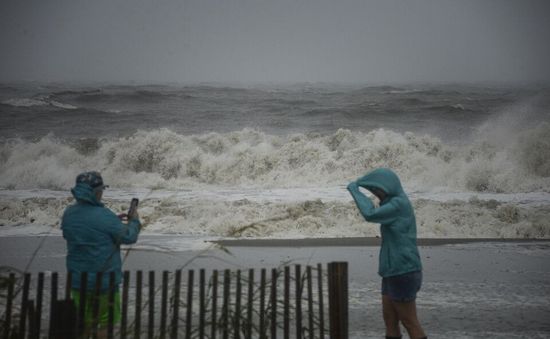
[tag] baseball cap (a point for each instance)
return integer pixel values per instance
(92, 179)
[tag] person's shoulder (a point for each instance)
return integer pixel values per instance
(401, 202)
(103, 211)
(72, 208)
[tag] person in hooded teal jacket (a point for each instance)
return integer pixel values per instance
(94, 234)
(399, 261)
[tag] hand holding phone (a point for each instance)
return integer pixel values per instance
(132, 212)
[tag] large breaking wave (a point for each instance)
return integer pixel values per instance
(250, 158)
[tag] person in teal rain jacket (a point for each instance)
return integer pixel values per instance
(399, 262)
(94, 234)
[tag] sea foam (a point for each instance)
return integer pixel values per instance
(250, 158)
(218, 217)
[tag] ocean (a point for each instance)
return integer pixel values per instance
(273, 161)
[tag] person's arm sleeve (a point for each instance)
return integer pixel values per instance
(123, 233)
(384, 214)
(362, 182)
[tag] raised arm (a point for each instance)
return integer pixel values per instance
(384, 214)
(120, 232)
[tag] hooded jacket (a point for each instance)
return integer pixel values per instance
(398, 253)
(94, 234)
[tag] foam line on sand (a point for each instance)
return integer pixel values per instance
(357, 241)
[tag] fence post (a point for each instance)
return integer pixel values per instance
(338, 299)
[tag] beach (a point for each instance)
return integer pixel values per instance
(481, 288)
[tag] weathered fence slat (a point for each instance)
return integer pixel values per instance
(273, 301)
(137, 320)
(151, 301)
(9, 303)
(164, 304)
(286, 311)
(225, 306)
(53, 302)
(189, 316)
(237, 334)
(250, 303)
(81, 323)
(175, 316)
(38, 311)
(202, 303)
(262, 303)
(321, 304)
(309, 302)
(24, 305)
(68, 285)
(214, 304)
(31, 313)
(95, 304)
(124, 311)
(111, 308)
(298, 310)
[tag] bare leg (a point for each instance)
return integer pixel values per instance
(406, 312)
(391, 318)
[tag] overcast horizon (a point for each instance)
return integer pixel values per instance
(275, 42)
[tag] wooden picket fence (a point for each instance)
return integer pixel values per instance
(286, 302)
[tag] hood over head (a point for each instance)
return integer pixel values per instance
(384, 179)
(85, 193)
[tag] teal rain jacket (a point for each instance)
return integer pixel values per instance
(398, 254)
(94, 234)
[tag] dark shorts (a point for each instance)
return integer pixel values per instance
(402, 288)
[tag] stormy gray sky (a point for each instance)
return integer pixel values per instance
(275, 40)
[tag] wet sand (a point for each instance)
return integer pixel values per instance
(473, 288)
(358, 241)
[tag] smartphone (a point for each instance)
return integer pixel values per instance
(133, 206)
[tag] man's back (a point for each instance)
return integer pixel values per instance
(94, 234)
